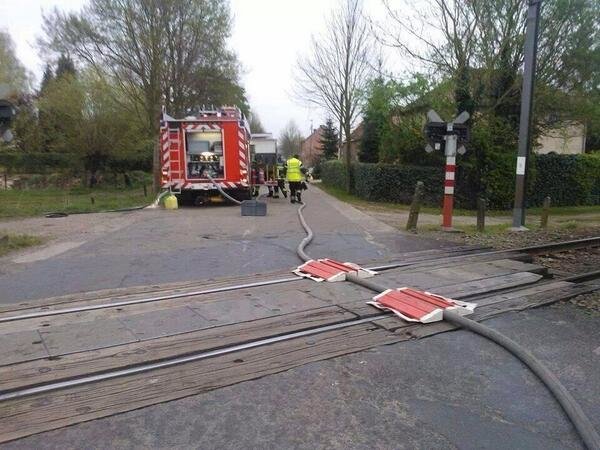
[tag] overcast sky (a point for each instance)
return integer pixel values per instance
(267, 35)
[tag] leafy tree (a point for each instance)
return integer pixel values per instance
(64, 66)
(329, 140)
(47, 77)
(28, 135)
(478, 48)
(14, 79)
(256, 125)
(172, 52)
(85, 118)
(376, 116)
(290, 139)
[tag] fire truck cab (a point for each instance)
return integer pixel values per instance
(213, 143)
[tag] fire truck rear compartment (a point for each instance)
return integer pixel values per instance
(204, 153)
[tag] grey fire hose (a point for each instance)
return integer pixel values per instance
(223, 193)
(573, 410)
(309, 236)
(581, 422)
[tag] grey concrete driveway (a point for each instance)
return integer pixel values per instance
(97, 251)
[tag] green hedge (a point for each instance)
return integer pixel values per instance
(333, 173)
(567, 179)
(395, 183)
(37, 162)
(385, 182)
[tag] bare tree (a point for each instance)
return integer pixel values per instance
(439, 35)
(465, 39)
(290, 139)
(335, 72)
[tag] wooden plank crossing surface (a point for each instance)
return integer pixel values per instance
(170, 328)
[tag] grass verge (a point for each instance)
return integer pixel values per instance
(11, 242)
(34, 202)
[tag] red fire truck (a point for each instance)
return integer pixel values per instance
(212, 142)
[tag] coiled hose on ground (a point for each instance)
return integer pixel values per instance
(572, 409)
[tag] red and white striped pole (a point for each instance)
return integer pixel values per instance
(449, 182)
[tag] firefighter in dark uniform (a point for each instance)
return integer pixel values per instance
(293, 168)
(279, 177)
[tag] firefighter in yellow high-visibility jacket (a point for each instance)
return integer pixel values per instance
(294, 178)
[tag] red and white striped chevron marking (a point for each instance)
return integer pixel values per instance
(201, 126)
(164, 151)
(180, 184)
(243, 154)
(449, 191)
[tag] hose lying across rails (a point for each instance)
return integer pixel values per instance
(573, 410)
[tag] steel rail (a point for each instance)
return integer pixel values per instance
(55, 312)
(46, 313)
(86, 379)
(78, 381)
(581, 243)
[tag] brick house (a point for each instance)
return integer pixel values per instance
(355, 138)
(310, 148)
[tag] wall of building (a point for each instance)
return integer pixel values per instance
(566, 140)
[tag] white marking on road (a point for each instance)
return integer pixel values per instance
(48, 252)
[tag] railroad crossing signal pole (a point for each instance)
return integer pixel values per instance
(531, 38)
(447, 136)
(448, 207)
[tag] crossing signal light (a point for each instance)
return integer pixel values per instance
(436, 131)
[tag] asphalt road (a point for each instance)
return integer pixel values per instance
(100, 251)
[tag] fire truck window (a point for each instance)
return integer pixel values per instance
(205, 154)
(198, 147)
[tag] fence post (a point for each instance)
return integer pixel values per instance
(145, 190)
(92, 199)
(545, 213)
(5, 180)
(413, 216)
(481, 214)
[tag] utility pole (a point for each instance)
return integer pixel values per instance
(531, 40)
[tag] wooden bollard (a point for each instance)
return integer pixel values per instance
(545, 213)
(481, 214)
(415, 207)
(92, 199)
(145, 190)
